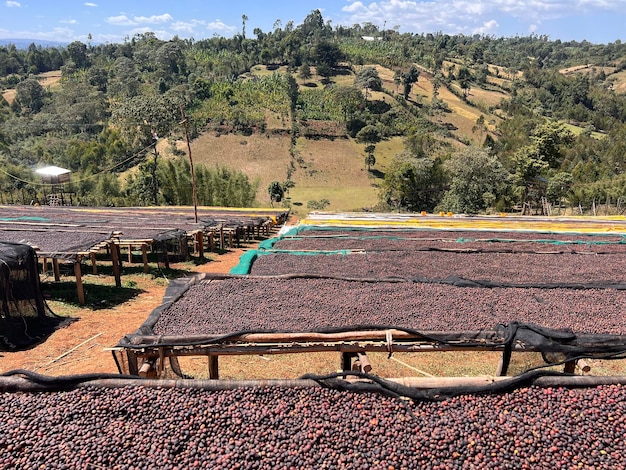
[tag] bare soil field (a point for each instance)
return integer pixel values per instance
(81, 346)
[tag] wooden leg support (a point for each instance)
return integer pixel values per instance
(214, 369)
(94, 266)
(144, 257)
(503, 365)
(79, 283)
(115, 260)
(55, 268)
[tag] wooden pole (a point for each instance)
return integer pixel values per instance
(115, 254)
(200, 243)
(214, 369)
(94, 266)
(503, 365)
(79, 283)
(193, 173)
(55, 268)
(130, 253)
(211, 241)
(144, 257)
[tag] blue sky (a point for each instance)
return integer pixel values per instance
(597, 21)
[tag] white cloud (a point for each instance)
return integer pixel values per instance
(124, 20)
(488, 28)
(121, 20)
(187, 26)
(354, 7)
(89, 4)
(220, 26)
(68, 21)
(154, 19)
(11, 4)
(466, 16)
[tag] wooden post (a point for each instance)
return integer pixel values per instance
(503, 365)
(94, 266)
(144, 257)
(230, 239)
(200, 243)
(346, 360)
(214, 369)
(222, 239)
(184, 247)
(79, 283)
(34, 275)
(211, 241)
(130, 253)
(133, 363)
(55, 268)
(115, 255)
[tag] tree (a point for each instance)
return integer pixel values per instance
(408, 79)
(412, 183)
(369, 79)
(369, 135)
(324, 71)
(77, 52)
(534, 160)
(349, 99)
(370, 159)
(30, 95)
(244, 18)
(276, 192)
(145, 118)
(558, 187)
(465, 78)
(304, 72)
(477, 180)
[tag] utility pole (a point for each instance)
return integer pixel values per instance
(155, 189)
(193, 173)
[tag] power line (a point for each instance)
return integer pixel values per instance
(86, 177)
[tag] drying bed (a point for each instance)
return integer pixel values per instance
(445, 240)
(527, 269)
(311, 428)
(234, 304)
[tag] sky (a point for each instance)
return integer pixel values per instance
(111, 21)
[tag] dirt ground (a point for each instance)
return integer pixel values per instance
(81, 347)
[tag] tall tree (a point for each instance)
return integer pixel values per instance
(477, 180)
(408, 79)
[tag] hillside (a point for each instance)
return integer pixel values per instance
(330, 168)
(328, 119)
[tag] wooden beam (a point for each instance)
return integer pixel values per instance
(79, 283)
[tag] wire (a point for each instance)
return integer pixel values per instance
(84, 178)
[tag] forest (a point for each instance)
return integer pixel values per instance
(551, 132)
